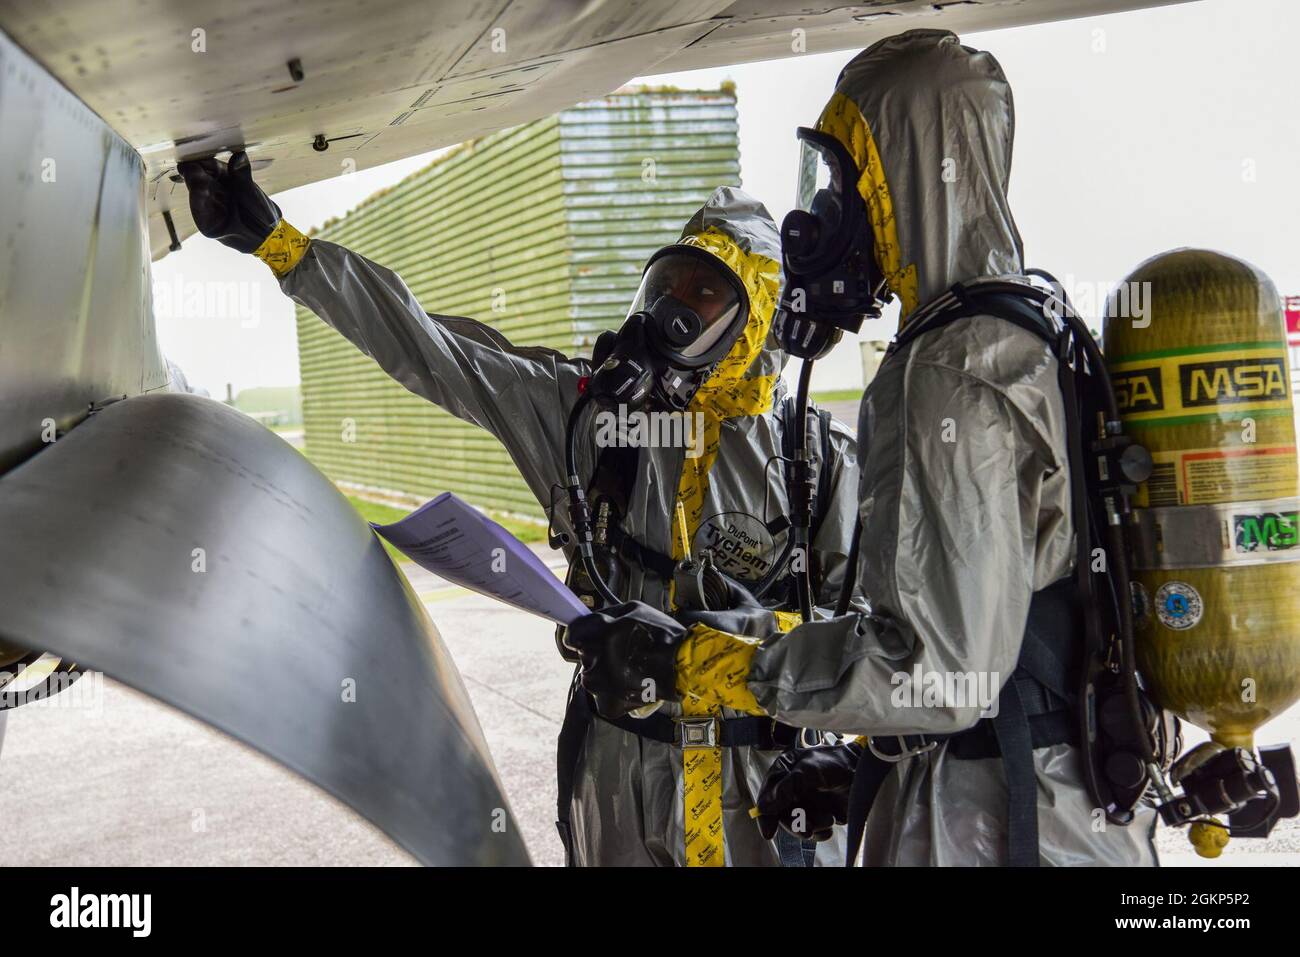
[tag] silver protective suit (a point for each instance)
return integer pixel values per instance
(964, 487)
(627, 807)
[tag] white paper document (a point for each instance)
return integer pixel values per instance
(461, 544)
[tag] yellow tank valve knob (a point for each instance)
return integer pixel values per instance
(1209, 838)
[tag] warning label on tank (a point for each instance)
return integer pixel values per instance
(1213, 476)
(1188, 385)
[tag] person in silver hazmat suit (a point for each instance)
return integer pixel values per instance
(631, 789)
(967, 542)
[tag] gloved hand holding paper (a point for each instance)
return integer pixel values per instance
(461, 544)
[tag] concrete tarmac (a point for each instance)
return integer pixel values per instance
(125, 780)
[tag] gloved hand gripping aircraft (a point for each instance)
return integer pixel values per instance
(106, 99)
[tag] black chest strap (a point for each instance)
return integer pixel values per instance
(643, 556)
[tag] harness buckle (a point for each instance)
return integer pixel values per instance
(808, 738)
(904, 752)
(693, 733)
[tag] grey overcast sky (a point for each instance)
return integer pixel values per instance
(1135, 133)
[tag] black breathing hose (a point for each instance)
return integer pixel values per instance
(850, 572)
(579, 508)
(570, 438)
(801, 485)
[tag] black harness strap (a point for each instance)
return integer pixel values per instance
(794, 852)
(1016, 310)
(573, 734)
(747, 732)
(1045, 730)
(1012, 729)
(1041, 648)
(867, 782)
(643, 556)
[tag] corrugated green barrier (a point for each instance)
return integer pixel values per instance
(540, 231)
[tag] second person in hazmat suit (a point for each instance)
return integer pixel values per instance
(626, 779)
(967, 545)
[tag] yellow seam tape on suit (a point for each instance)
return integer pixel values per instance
(712, 672)
(843, 120)
(282, 249)
(716, 665)
(713, 667)
(785, 620)
(724, 396)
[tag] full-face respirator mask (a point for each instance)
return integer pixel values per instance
(833, 282)
(687, 314)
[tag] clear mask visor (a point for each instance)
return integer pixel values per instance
(820, 187)
(701, 284)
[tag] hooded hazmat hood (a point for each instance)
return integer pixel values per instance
(929, 124)
(737, 229)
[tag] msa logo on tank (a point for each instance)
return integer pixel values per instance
(1268, 531)
(1232, 380)
(1174, 385)
(1178, 605)
(741, 544)
(1139, 390)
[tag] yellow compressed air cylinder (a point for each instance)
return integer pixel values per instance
(1196, 345)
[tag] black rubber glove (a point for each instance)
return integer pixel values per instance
(807, 791)
(227, 205)
(744, 615)
(629, 656)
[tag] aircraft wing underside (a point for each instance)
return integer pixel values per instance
(177, 545)
(181, 547)
(384, 80)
